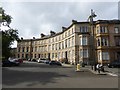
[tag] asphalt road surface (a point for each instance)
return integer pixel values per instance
(39, 75)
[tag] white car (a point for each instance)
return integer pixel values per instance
(15, 60)
(40, 60)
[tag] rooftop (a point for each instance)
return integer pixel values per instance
(53, 34)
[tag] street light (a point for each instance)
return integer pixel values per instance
(93, 15)
(31, 49)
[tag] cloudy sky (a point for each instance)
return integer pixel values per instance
(33, 18)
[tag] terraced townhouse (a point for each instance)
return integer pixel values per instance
(76, 43)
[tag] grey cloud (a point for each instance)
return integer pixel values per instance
(119, 10)
(32, 18)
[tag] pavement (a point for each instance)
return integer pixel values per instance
(108, 71)
(103, 73)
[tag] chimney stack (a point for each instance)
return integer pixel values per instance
(33, 37)
(21, 38)
(52, 33)
(64, 28)
(42, 35)
(74, 21)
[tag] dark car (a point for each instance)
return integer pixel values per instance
(34, 60)
(55, 63)
(7, 63)
(46, 61)
(114, 64)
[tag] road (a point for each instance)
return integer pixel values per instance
(37, 75)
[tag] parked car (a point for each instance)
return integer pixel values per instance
(55, 63)
(14, 60)
(20, 60)
(34, 60)
(8, 63)
(41, 60)
(46, 61)
(29, 59)
(114, 64)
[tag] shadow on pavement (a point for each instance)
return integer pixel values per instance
(13, 77)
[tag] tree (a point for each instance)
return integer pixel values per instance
(7, 36)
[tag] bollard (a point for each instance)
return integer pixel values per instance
(78, 67)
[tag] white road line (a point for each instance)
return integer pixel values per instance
(112, 74)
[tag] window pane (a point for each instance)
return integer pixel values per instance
(117, 41)
(81, 53)
(83, 29)
(103, 29)
(98, 42)
(85, 52)
(116, 30)
(84, 40)
(105, 55)
(104, 41)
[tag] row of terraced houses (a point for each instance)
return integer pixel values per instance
(75, 43)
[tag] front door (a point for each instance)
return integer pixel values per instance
(49, 56)
(26, 56)
(66, 57)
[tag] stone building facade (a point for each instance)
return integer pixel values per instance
(74, 43)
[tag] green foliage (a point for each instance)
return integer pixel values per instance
(7, 36)
(4, 17)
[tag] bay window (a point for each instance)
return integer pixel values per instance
(102, 29)
(83, 29)
(84, 53)
(99, 55)
(104, 41)
(83, 40)
(98, 42)
(105, 56)
(117, 40)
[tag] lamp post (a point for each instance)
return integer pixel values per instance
(92, 37)
(31, 49)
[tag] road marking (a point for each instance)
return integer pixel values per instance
(112, 74)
